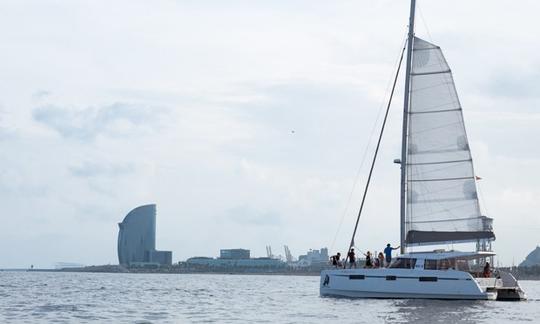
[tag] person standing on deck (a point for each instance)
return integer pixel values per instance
(388, 253)
(352, 258)
(369, 263)
(380, 257)
(487, 271)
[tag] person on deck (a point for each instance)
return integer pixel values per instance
(369, 264)
(380, 257)
(487, 270)
(352, 258)
(388, 253)
(335, 260)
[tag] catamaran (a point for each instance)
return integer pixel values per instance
(439, 201)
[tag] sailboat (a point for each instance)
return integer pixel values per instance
(439, 201)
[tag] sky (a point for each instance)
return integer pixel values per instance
(248, 123)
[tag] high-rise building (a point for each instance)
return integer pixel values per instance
(137, 238)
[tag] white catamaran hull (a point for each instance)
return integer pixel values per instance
(402, 283)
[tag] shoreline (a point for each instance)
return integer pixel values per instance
(117, 269)
(307, 273)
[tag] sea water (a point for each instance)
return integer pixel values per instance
(55, 297)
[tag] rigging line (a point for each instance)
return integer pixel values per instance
(375, 154)
(424, 22)
(364, 157)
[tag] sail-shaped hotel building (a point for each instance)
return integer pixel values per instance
(137, 239)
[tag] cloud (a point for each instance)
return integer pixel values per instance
(115, 120)
(41, 94)
(5, 133)
(248, 215)
(92, 169)
(516, 84)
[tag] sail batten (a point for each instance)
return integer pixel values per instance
(435, 111)
(430, 73)
(442, 202)
(439, 162)
(440, 179)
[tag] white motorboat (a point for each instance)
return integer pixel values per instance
(439, 201)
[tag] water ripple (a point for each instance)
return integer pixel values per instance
(29, 297)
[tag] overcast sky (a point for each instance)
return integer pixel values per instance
(246, 122)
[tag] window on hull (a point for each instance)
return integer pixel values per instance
(442, 264)
(403, 263)
(357, 277)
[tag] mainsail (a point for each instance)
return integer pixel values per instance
(442, 203)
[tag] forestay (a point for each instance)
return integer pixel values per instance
(442, 202)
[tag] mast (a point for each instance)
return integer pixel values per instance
(403, 204)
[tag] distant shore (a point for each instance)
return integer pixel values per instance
(120, 269)
(521, 273)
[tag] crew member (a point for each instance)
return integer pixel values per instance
(335, 260)
(487, 270)
(388, 253)
(352, 258)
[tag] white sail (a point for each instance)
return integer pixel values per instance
(442, 203)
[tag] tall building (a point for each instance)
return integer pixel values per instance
(137, 238)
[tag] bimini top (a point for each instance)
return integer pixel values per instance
(439, 255)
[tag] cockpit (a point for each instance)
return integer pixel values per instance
(461, 261)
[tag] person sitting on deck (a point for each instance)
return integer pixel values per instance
(369, 264)
(352, 258)
(487, 270)
(388, 253)
(335, 260)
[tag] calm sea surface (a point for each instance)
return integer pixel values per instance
(40, 297)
